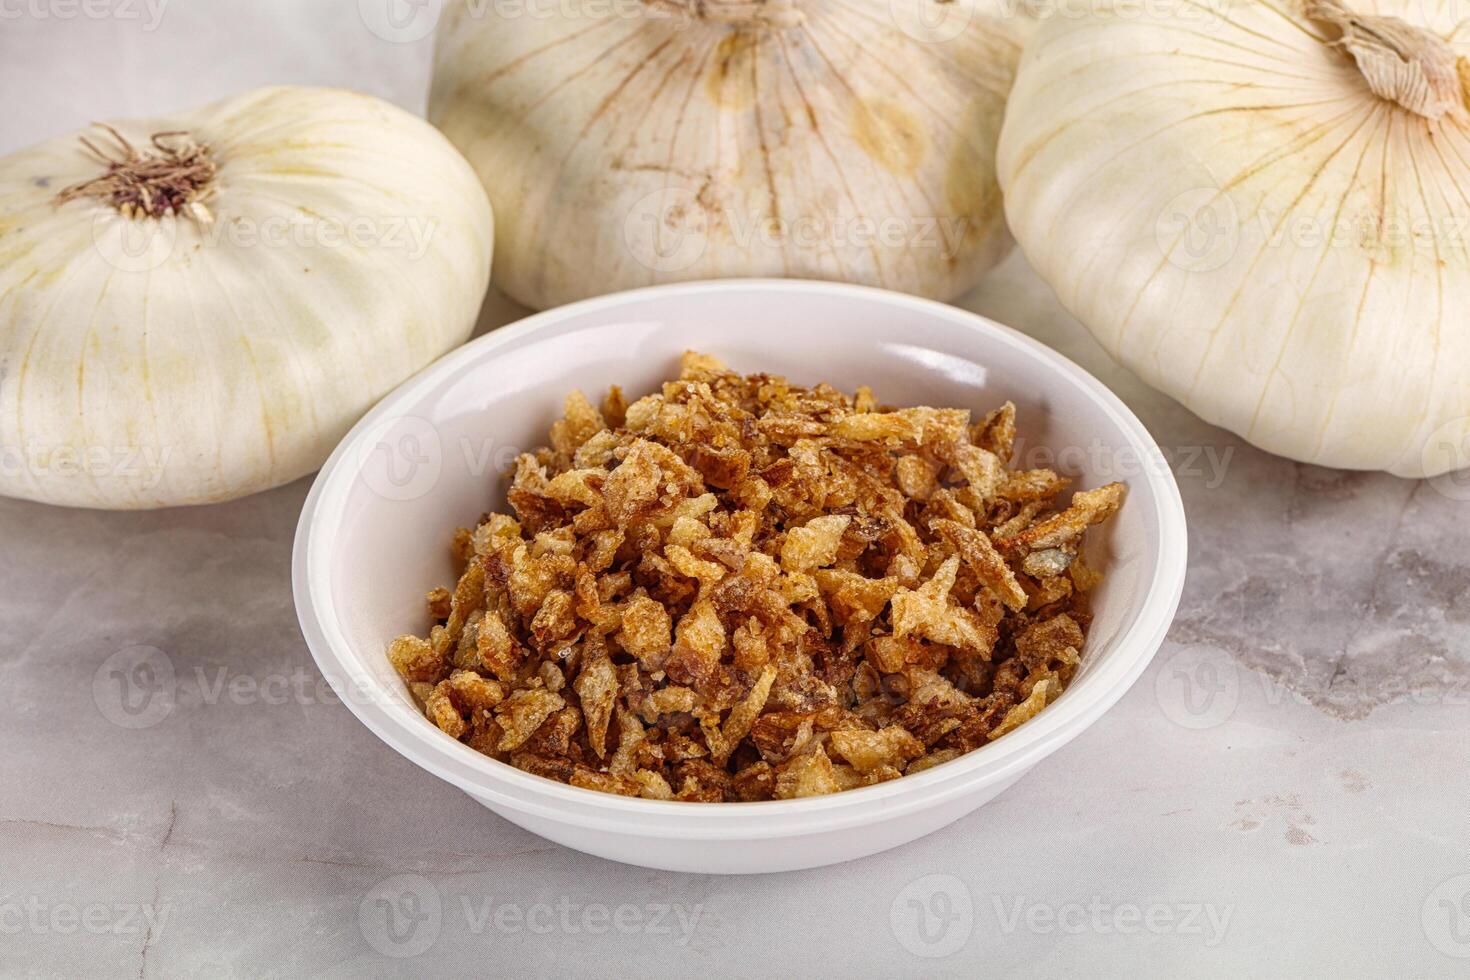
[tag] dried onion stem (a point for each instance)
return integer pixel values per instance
(1402, 63)
(175, 176)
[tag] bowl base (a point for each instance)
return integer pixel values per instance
(754, 854)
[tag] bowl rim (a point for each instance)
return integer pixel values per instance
(492, 781)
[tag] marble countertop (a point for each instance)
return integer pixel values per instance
(1284, 792)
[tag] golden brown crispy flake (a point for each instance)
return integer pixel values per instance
(1084, 577)
(580, 423)
(597, 689)
(941, 426)
(442, 712)
(917, 477)
(868, 751)
(551, 676)
(891, 654)
(751, 650)
(652, 785)
(702, 781)
(462, 546)
(806, 775)
(980, 468)
(647, 631)
(668, 701)
(699, 640)
(439, 603)
(1028, 485)
(1049, 640)
(1026, 710)
(602, 550)
(630, 739)
(587, 602)
(847, 777)
(742, 717)
(946, 505)
(931, 613)
(1011, 520)
(416, 659)
(531, 580)
(468, 598)
(1088, 507)
(815, 544)
(642, 414)
(1045, 564)
(738, 588)
(1048, 591)
(540, 765)
(894, 427)
(855, 598)
(683, 561)
(473, 692)
(555, 621)
(756, 781)
(497, 648)
(693, 790)
(634, 486)
(931, 760)
(694, 366)
(554, 737)
(615, 407)
(979, 554)
(498, 535)
(779, 735)
(523, 712)
(582, 487)
(996, 432)
(605, 782)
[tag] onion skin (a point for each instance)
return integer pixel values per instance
(678, 141)
(1250, 223)
(191, 358)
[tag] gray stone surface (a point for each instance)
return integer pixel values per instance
(1283, 793)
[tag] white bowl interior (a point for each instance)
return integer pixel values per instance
(432, 457)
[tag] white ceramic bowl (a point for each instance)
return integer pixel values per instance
(374, 536)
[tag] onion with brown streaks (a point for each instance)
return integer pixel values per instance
(1262, 208)
(631, 142)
